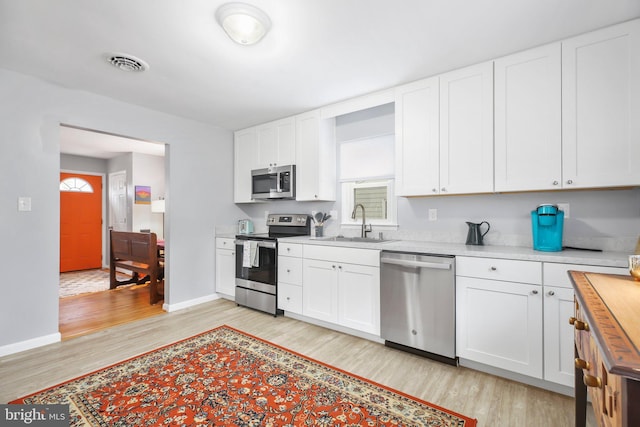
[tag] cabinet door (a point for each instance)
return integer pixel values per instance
(245, 148)
(276, 143)
(320, 290)
(558, 335)
(601, 107)
(290, 298)
(417, 138)
(226, 272)
(315, 157)
(359, 297)
(500, 324)
(466, 130)
(528, 145)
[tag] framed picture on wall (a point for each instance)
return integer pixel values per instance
(143, 195)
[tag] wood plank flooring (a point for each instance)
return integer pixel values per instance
(492, 400)
(88, 313)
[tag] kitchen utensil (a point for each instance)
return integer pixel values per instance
(318, 217)
(475, 235)
(547, 224)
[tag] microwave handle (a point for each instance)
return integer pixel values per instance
(279, 182)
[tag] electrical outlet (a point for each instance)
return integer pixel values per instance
(433, 214)
(564, 207)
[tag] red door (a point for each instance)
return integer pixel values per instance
(80, 222)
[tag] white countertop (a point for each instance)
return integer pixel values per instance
(567, 256)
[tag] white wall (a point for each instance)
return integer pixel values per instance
(149, 171)
(199, 196)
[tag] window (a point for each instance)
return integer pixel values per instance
(366, 158)
(376, 196)
(76, 184)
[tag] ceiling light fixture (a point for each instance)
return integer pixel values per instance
(243, 23)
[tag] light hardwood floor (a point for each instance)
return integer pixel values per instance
(492, 400)
(87, 313)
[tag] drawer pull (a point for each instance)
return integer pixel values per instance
(572, 320)
(591, 381)
(580, 325)
(582, 364)
(551, 293)
(493, 268)
(534, 292)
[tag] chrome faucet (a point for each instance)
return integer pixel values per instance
(363, 233)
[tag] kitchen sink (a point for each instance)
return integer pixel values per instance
(354, 239)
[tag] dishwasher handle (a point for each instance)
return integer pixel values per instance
(416, 264)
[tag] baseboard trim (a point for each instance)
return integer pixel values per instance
(536, 382)
(29, 344)
(190, 303)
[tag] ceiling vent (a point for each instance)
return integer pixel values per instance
(127, 62)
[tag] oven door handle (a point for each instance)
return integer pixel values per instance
(260, 244)
(269, 245)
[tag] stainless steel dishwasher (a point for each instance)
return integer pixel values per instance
(417, 304)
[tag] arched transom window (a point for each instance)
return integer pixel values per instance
(75, 184)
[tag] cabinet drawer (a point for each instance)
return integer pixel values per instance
(290, 298)
(343, 255)
(290, 249)
(500, 269)
(290, 270)
(555, 274)
(225, 243)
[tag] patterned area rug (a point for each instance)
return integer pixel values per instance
(85, 281)
(226, 377)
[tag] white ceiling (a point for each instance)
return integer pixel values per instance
(82, 142)
(317, 52)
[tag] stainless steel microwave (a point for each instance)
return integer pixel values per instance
(277, 182)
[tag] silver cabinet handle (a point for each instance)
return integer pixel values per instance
(534, 292)
(494, 268)
(416, 264)
(555, 182)
(569, 181)
(551, 293)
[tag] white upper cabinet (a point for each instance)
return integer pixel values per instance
(315, 157)
(276, 143)
(417, 138)
(528, 145)
(601, 107)
(245, 148)
(466, 130)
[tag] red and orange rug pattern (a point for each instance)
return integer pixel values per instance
(227, 377)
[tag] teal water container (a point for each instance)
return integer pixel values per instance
(547, 223)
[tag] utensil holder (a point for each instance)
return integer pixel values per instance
(319, 229)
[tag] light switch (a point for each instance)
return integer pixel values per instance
(24, 204)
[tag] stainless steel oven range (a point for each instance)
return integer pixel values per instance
(257, 261)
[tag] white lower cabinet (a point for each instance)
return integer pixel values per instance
(225, 267)
(499, 320)
(558, 335)
(341, 292)
(500, 324)
(558, 307)
(514, 315)
(290, 278)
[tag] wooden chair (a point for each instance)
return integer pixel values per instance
(136, 252)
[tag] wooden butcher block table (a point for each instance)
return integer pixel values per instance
(607, 345)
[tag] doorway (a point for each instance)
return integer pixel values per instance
(117, 159)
